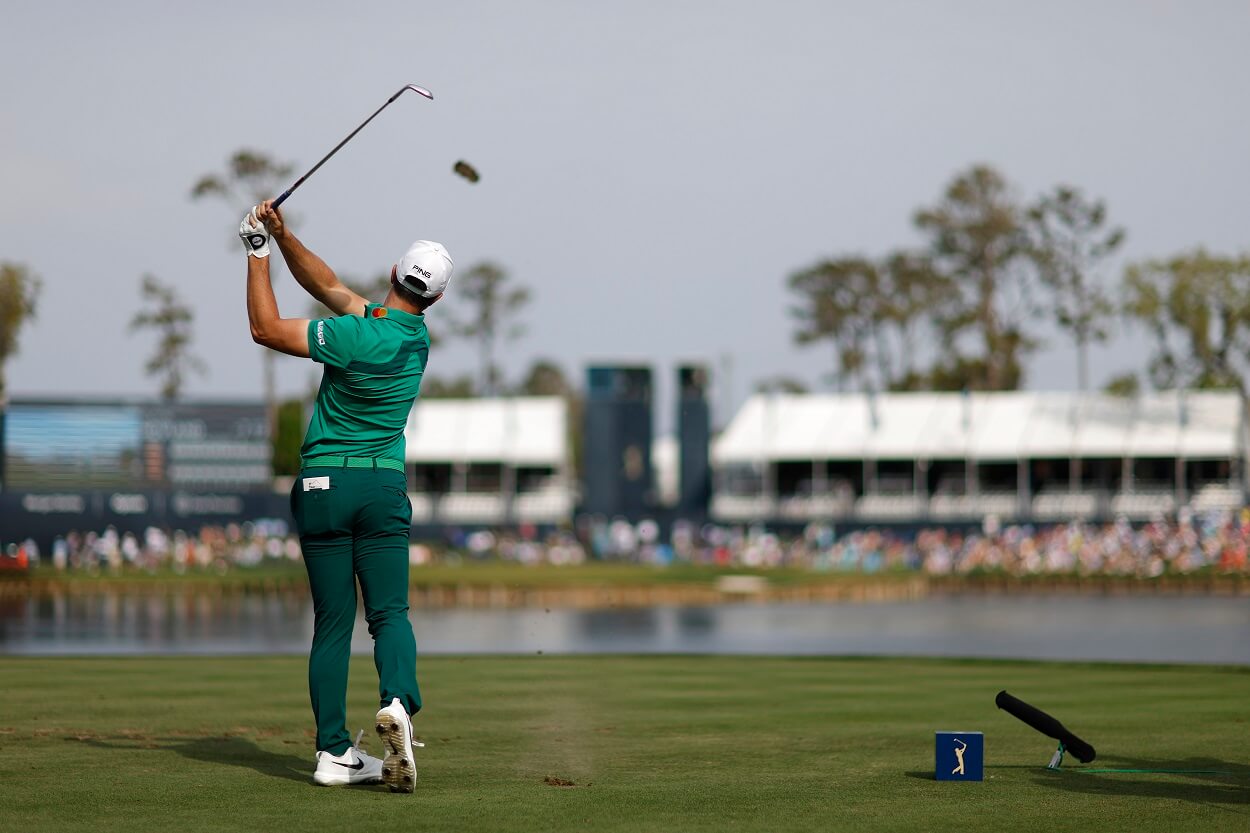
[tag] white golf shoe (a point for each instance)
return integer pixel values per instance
(352, 767)
(399, 769)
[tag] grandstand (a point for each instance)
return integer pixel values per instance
(952, 458)
(489, 461)
(915, 459)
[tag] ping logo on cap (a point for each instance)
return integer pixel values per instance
(425, 268)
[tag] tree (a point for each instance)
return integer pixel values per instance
(978, 244)
(1196, 307)
(456, 387)
(912, 290)
(545, 378)
(780, 384)
(172, 320)
(494, 304)
(840, 302)
(288, 438)
(19, 292)
(1069, 240)
(250, 177)
(872, 313)
(1127, 385)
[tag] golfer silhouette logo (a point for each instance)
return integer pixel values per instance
(959, 756)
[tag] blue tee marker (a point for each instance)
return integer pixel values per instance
(960, 756)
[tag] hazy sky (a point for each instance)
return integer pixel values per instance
(651, 170)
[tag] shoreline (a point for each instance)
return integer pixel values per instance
(726, 588)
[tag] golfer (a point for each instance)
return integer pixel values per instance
(350, 500)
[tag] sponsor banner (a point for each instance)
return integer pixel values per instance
(45, 515)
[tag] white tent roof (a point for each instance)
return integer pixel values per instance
(983, 426)
(1209, 422)
(1157, 429)
(998, 424)
(527, 430)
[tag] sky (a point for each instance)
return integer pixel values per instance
(651, 171)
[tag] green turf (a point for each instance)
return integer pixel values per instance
(650, 744)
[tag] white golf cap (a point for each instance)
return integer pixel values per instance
(425, 268)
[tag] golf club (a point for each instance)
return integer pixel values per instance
(313, 170)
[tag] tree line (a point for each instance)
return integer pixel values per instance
(966, 308)
(963, 310)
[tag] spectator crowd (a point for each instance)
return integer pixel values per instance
(1185, 544)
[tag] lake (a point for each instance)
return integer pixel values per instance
(1182, 628)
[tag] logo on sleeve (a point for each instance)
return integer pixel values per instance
(321, 333)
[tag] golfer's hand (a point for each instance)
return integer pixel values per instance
(254, 236)
(271, 218)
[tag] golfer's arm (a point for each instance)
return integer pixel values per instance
(317, 278)
(286, 335)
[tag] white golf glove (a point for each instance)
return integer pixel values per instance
(254, 235)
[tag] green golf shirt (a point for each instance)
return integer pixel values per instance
(373, 368)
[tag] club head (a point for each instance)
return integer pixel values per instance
(421, 90)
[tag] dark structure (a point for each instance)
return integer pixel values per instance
(618, 438)
(694, 438)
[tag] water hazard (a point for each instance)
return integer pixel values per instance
(1188, 629)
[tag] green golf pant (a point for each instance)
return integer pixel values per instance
(353, 526)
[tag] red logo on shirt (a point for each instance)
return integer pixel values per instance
(379, 312)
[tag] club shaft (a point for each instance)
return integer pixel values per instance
(282, 197)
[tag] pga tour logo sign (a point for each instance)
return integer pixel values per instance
(960, 756)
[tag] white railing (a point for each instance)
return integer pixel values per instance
(1217, 496)
(1143, 504)
(741, 508)
(1065, 506)
(890, 507)
(950, 507)
(543, 507)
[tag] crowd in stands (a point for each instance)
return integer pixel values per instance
(210, 548)
(1217, 541)
(1184, 544)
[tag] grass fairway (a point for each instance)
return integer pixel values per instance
(649, 744)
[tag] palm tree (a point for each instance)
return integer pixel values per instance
(172, 320)
(19, 290)
(249, 178)
(1069, 242)
(494, 305)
